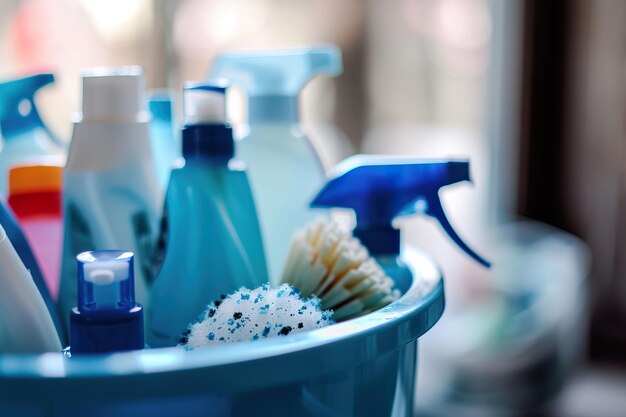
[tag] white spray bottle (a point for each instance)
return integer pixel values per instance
(111, 196)
(284, 168)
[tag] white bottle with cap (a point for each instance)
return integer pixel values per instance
(111, 197)
(25, 324)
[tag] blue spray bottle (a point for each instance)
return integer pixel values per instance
(23, 132)
(213, 243)
(164, 145)
(285, 170)
(18, 239)
(380, 189)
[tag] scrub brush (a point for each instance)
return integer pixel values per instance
(255, 314)
(333, 265)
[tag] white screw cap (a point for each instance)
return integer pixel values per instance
(114, 94)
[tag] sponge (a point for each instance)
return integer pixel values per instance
(331, 264)
(255, 314)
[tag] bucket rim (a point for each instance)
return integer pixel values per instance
(339, 347)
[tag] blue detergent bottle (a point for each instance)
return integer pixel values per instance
(285, 170)
(24, 134)
(164, 144)
(107, 318)
(213, 243)
(379, 189)
(18, 239)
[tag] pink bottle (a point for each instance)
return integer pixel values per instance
(35, 197)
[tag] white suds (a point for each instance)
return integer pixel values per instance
(255, 314)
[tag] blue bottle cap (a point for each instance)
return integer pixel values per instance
(380, 189)
(107, 317)
(273, 79)
(18, 113)
(206, 133)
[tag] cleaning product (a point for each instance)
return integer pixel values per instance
(248, 315)
(25, 137)
(331, 264)
(107, 318)
(25, 323)
(285, 171)
(35, 197)
(162, 136)
(111, 197)
(379, 189)
(23, 249)
(213, 243)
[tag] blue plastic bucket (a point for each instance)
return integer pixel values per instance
(362, 367)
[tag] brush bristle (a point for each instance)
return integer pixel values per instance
(331, 264)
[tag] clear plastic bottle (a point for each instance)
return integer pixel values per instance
(285, 170)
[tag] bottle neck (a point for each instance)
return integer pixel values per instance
(213, 142)
(379, 240)
(273, 109)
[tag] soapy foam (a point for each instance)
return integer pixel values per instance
(255, 314)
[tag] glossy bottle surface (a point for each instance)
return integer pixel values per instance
(285, 173)
(213, 247)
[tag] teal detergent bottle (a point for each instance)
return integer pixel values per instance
(111, 197)
(213, 243)
(285, 170)
(24, 135)
(380, 189)
(164, 144)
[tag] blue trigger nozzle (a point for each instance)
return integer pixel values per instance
(380, 188)
(18, 112)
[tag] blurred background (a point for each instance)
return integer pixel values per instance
(533, 92)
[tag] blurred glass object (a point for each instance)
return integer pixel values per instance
(519, 329)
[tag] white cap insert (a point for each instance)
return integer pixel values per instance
(205, 103)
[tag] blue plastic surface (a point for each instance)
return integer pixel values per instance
(19, 242)
(213, 240)
(23, 132)
(107, 318)
(380, 188)
(162, 137)
(364, 367)
(14, 95)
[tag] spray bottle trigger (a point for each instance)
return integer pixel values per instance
(18, 112)
(435, 210)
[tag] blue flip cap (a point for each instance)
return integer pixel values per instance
(107, 318)
(18, 113)
(380, 189)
